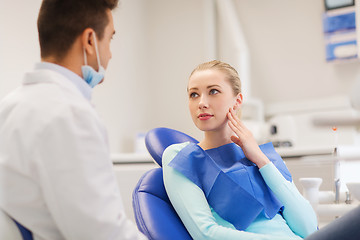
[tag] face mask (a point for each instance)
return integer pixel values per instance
(91, 76)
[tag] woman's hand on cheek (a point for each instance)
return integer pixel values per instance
(245, 139)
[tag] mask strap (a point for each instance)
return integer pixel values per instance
(85, 57)
(97, 51)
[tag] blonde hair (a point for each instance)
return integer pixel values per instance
(231, 74)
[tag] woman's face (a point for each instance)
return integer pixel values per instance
(210, 98)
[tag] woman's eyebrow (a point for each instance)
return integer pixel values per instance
(210, 86)
(193, 88)
(215, 85)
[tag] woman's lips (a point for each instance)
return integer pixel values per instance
(205, 116)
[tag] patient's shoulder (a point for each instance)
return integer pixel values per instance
(171, 151)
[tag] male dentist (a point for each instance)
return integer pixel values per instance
(56, 176)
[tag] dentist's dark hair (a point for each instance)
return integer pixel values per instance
(60, 22)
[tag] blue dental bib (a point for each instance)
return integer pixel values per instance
(231, 183)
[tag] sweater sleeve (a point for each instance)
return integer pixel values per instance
(298, 212)
(193, 209)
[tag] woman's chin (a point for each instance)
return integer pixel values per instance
(203, 128)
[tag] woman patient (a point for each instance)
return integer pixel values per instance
(228, 187)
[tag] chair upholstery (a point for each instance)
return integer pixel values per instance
(158, 139)
(25, 233)
(12, 230)
(154, 214)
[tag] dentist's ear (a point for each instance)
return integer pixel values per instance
(87, 40)
(239, 100)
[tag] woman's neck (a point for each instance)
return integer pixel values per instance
(214, 139)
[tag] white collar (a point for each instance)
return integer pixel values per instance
(80, 83)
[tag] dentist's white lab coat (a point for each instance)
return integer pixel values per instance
(56, 177)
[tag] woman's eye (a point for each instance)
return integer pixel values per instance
(193, 95)
(213, 91)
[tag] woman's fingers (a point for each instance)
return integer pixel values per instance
(245, 140)
(237, 126)
(236, 140)
(234, 128)
(234, 118)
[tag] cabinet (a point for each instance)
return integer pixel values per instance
(312, 166)
(128, 175)
(129, 167)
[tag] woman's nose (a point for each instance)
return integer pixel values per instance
(203, 102)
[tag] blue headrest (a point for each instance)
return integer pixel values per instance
(154, 214)
(158, 139)
(25, 233)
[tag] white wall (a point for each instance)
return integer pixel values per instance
(177, 43)
(287, 51)
(122, 100)
(157, 45)
(19, 48)
(159, 42)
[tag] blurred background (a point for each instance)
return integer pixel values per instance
(159, 42)
(292, 88)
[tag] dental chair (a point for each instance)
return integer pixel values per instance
(12, 230)
(154, 214)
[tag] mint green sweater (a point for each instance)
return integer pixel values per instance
(203, 223)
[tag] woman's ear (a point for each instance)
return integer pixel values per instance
(87, 40)
(239, 100)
